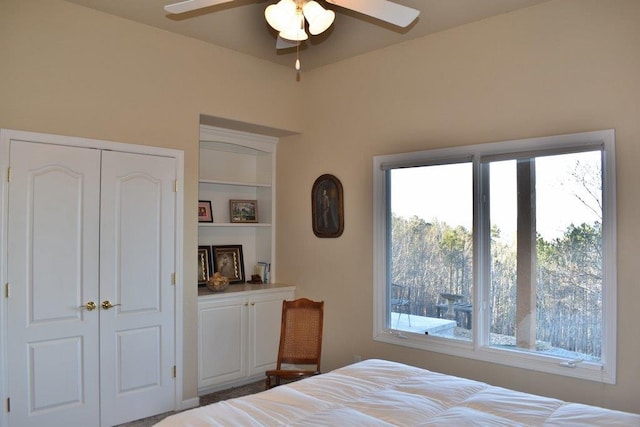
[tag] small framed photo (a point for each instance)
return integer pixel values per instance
(204, 211)
(228, 260)
(243, 210)
(204, 265)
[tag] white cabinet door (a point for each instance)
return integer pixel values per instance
(137, 261)
(265, 318)
(53, 270)
(222, 325)
(238, 336)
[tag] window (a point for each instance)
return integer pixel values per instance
(503, 252)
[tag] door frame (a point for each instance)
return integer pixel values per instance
(6, 135)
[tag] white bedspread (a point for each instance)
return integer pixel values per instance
(382, 393)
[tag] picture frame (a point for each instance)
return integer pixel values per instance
(204, 265)
(204, 211)
(241, 211)
(228, 260)
(327, 207)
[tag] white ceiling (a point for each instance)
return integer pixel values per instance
(240, 25)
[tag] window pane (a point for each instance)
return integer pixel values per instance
(431, 250)
(546, 292)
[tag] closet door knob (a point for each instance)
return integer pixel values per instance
(106, 304)
(89, 306)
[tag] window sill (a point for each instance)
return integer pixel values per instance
(514, 358)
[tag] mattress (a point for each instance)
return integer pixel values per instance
(383, 393)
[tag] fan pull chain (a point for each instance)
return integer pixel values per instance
(298, 43)
(298, 56)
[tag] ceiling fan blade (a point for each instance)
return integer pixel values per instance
(384, 10)
(189, 5)
(285, 44)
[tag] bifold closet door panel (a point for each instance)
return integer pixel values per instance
(137, 246)
(52, 269)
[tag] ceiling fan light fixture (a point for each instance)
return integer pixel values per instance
(281, 15)
(288, 16)
(295, 35)
(318, 17)
(295, 29)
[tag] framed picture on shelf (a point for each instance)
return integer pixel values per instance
(204, 211)
(243, 210)
(229, 261)
(327, 208)
(204, 265)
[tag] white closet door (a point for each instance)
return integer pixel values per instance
(137, 262)
(52, 270)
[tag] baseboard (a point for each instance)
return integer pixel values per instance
(189, 403)
(229, 384)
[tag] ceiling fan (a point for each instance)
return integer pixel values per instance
(288, 16)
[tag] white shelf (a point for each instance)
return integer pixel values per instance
(233, 224)
(236, 183)
(238, 166)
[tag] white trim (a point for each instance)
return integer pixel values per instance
(380, 191)
(610, 256)
(211, 134)
(4, 166)
(194, 402)
(179, 285)
(89, 143)
(479, 349)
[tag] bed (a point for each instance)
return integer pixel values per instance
(383, 393)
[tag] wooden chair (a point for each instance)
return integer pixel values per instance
(300, 341)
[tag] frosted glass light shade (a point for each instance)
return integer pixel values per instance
(295, 35)
(281, 15)
(318, 17)
(295, 30)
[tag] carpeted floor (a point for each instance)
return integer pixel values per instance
(204, 400)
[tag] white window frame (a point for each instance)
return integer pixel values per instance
(479, 348)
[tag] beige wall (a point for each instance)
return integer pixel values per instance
(561, 67)
(70, 70)
(564, 66)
